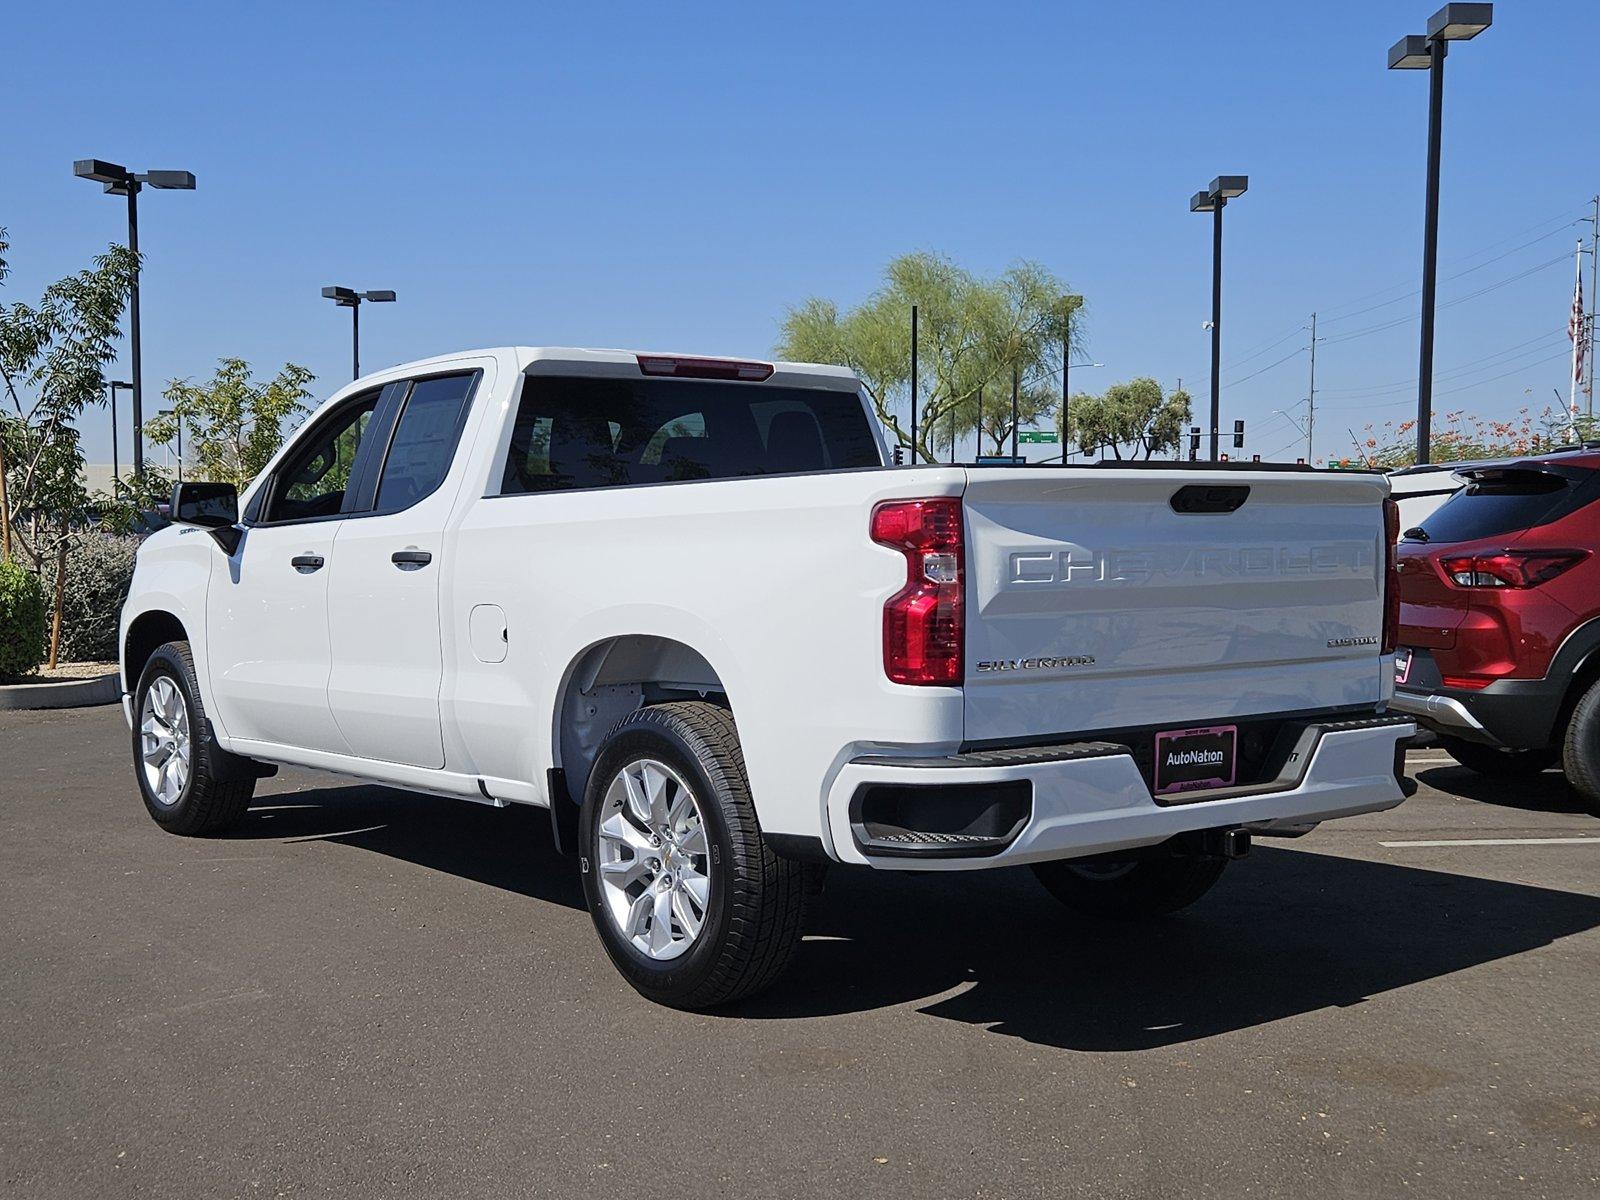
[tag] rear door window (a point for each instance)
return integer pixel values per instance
(1506, 500)
(589, 433)
(424, 440)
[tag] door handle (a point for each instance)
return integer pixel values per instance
(410, 560)
(306, 563)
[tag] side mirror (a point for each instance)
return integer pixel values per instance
(214, 507)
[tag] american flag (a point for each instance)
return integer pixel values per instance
(1578, 328)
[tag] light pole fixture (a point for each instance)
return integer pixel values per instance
(1414, 52)
(350, 298)
(116, 467)
(1213, 200)
(117, 180)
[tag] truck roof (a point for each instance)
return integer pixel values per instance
(606, 361)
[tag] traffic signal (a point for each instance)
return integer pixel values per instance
(1194, 442)
(899, 456)
(1238, 435)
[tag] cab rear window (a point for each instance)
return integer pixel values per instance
(592, 433)
(1507, 500)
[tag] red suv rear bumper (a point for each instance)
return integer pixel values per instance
(1519, 714)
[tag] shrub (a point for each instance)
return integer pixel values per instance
(22, 621)
(99, 570)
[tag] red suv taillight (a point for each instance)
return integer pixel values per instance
(924, 623)
(1391, 578)
(1509, 568)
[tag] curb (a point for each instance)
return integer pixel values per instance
(78, 693)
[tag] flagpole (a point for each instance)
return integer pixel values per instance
(1594, 304)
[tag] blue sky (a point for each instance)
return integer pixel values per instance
(675, 176)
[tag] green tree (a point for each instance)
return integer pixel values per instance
(232, 425)
(53, 357)
(1133, 420)
(971, 333)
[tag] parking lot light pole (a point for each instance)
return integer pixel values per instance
(1066, 382)
(350, 298)
(1213, 200)
(117, 180)
(1415, 52)
(116, 467)
(178, 421)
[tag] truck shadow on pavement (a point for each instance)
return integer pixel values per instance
(507, 848)
(1547, 792)
(1286, 931)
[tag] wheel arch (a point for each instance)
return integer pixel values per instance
(146, 634)
(1579, 659)
(613, 677)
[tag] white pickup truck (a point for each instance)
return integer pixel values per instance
(688, 606)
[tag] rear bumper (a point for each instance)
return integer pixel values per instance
(1519, 714)
(1091, 799)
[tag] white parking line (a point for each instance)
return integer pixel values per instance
(1553, 841)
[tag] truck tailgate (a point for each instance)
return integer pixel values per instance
(1104, 598)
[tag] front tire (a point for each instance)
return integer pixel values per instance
(1580, 749)
(1497, 763)
(689, 902)
(1130, 889)
(190, 785)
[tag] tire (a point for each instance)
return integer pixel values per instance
(1498, 763)
(1580, 749)
(1131, 889)
(751, 904)
(215, 787)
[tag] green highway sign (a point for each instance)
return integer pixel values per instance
(1048, 437)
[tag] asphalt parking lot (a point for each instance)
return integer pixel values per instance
(366, 992)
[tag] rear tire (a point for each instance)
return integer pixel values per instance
(690, 904)
(1130, 889)
(190, 785)
(1498, 763)
(1580, 749)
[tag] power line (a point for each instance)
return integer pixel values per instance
(1459, 373)
(1566, 219)
(1459, 274)
(1401, 384)
(1294, 354)
(1466, 387)
(1483, 291)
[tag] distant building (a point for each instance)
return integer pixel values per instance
(97, 476)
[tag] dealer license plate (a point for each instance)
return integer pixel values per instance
(1189, 760)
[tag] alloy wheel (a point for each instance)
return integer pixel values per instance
(654, 859)
(164, 741)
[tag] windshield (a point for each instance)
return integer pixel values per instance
(1502, 500)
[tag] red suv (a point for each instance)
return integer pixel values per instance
(1500, 619)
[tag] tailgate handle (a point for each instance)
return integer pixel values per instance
(1209, 498)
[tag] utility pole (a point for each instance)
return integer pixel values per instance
(1311, 396)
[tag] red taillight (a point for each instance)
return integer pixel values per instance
(703, 368)
(1391, 578)
(1470, 683)
(924, 623)
(1509, 568)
